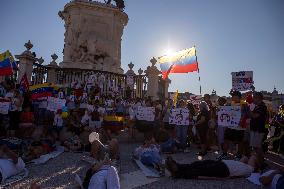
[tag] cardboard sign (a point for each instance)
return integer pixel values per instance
(4, 107)
(179, 116)
(229, 116)
(145, 113)
(195, 99)
(53, 104)
(242, 81)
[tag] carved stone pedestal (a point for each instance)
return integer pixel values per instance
(93, 36)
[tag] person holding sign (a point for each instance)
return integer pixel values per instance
(181, 130)
(257, 123)
(202, 127)
(235, 134)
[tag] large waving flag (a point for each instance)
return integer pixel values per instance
(41, 90)
(6, 64)
(180, 62)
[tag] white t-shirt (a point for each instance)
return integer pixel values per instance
(8, 168)
(106, 178)
(102, 112)
(85, 119)
(43, 103)
(58, 121)
(238, 169)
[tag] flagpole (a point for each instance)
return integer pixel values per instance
(198, 71)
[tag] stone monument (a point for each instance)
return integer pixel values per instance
(93, 32)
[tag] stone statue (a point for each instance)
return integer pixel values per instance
(119, 3)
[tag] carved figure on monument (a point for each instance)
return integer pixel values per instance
(119, 3)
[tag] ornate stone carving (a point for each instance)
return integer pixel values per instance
(93, 36)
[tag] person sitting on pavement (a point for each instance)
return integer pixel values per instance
(101, 176)
(99, 150)
(149, 154)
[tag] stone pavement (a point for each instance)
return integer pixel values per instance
(59, 172)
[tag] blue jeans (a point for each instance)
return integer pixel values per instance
(151, 158)
(181, 131)
(169, 145)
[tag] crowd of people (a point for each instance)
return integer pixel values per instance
(90, 120)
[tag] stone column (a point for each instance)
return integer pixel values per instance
(27, 58)
(51, 69)
(139, 84)
(130, 78)
(166, 89)
(152, 73)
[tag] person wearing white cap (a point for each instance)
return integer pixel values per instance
(99, 150)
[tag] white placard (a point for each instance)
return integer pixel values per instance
(229, 116)
(195, 99)
(53, 104)
(145, 113)
(4, 107)
(242, 81)
(179, 116)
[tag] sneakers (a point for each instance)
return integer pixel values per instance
(223, 156)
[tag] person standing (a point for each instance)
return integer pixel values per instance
(202, 127)
(181, 130)
(257, 124)
(14, 112)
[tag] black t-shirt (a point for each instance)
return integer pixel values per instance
(258, 124)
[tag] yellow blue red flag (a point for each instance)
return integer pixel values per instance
(179, 62)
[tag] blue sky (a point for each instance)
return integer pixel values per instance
(229, 35)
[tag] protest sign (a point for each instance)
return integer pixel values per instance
(53, 104)
(4, 107)
(179, 116)
(242, 81)
(229, 116)
(145, 113)
(195, 99)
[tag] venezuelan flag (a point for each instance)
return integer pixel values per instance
(180, 62)
(5, 64)
(41, 90)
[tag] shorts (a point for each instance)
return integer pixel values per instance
(256, 139)
(234, 135)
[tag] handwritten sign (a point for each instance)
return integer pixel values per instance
(229, 116)
(53, 104)
(145, 113)
(195, 99)
(242, 81)
(179, 116)
(4, 107)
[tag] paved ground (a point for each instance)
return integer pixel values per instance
(59, 172)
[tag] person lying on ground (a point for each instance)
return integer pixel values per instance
(149, 154)
(272, 179)
(10, 163)
(99, 150)
(213, 169)
(102, 176)
(40, 147)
